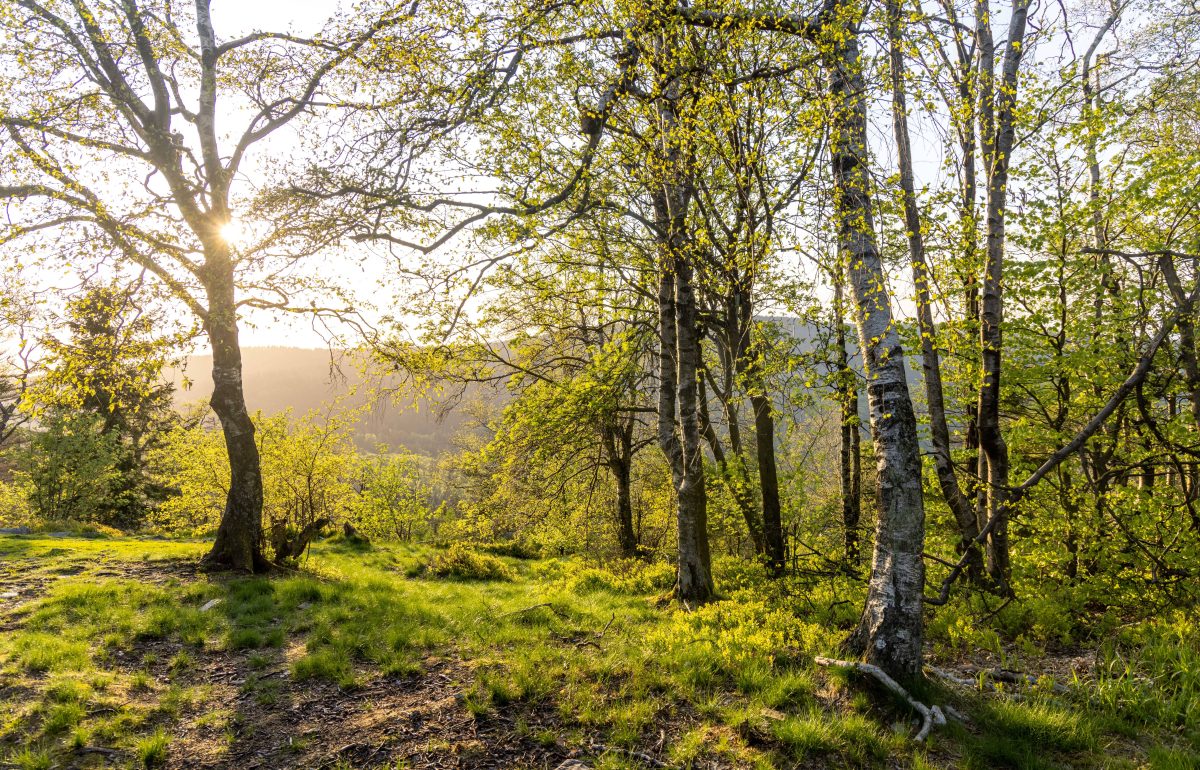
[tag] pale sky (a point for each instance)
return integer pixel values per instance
(234, 18)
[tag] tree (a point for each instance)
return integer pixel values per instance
(914, 226)
(105, 406)
(569, 340)
(890, 632)
(111, 145)
(393, 497)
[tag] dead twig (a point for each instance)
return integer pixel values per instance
(100, 750)
(1014, 677)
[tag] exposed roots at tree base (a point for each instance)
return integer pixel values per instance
(931, 716)
(221, 561)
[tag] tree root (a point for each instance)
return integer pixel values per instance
(931, 716)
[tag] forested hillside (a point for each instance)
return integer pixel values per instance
(709, 384)
(312, 380)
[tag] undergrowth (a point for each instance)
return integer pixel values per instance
(585, 653)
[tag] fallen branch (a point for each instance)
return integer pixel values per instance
(970, 684)
(1016, 678)
(100, 750)
(931, 716)
(955, 714)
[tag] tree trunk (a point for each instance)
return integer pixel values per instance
(239, 542)
(679, 354)
(960, 506)
(891, 629)
(991, 439)
(749, 366)
(734, 477)
(768, 479)
(617, 441)
(695, 583)
(847, 388)
(625, 534)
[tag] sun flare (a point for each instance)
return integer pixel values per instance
(233, 232)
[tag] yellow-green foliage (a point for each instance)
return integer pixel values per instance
(724, 637)
(464, 563)
(14, 505)
(310, 471)
(957, 628)
(633, 577)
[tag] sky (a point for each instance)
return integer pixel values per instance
(234, 18)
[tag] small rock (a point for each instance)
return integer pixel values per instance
(573, 764)
(16, 531)
(208, 605)
(9, 595)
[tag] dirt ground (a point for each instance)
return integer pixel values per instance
(255, 716)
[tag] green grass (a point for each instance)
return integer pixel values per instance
(152, 750)
(108, 660)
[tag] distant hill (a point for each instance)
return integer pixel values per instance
(304, 379)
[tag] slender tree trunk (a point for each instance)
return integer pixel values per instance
(749, 366)
(239, 541)
(625, 534)
(618, 449)
(679, 424)
(734, 478)
(991, 439)
(768, 480)
(847, 389)
(960, 506)
(733, 473)
(891, 630)
(968, 101)
(1071, 511)
(695, 583)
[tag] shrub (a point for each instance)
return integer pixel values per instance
(459, 561)
(631, 577)
(722, 638)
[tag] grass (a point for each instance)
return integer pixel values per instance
(577, 655)
(152, 750)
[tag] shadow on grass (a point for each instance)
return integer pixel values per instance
(152, 663)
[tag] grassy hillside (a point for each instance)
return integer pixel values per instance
(118, 653)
